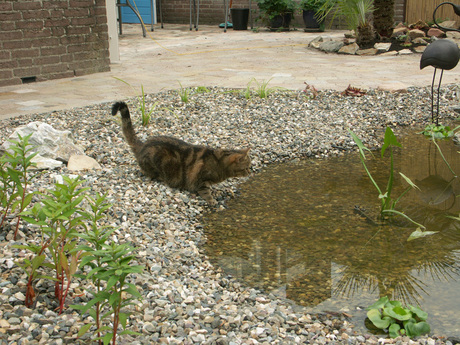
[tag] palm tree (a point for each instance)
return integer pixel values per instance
(357, 14)
(384, 11)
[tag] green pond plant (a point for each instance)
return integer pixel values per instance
(387, 201)
(398, 320)
(439, 131)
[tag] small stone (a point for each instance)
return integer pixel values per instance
(350, 49)
(370, 51)
(382, 47)
(82, 162)
(405, 52)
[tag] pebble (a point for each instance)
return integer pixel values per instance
(187, 300)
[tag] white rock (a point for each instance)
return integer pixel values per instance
(82, 162)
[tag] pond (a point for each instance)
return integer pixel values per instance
(295, 232)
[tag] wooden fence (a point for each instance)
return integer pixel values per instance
(423, 10)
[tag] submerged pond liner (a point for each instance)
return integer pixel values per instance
(294, 231)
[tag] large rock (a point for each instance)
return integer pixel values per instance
(436, 33)
(53, 146)
(399, 31)
(331, 46)
(413, 34)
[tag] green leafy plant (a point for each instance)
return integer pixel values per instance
(312, 5)
(184, 93)
(439, 131)
(59, 217)
(397, 319)
(387, 202)
(202, 89)
(95, 236)
(273, 8)
(357, 14)
(15, 178)
(110, 265)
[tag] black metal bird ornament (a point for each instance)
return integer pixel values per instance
(443, 54)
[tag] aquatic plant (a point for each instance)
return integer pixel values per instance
(387, 202)
(439, 131)
(397, 319)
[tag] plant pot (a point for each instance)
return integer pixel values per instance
(240, 18)
(281, 22)
(311, 23)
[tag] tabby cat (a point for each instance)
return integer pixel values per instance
(182, 165)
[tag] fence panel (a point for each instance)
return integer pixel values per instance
(423, 10)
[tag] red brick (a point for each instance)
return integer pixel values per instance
(81, 3)
(76, 12)
(55, 4)
(26, 5)
(23, 44)
(81, 30)
(10, 35)
(10, 16)
(8, 64)
(57, 50)
(26, 72)
(61, 22)
(41, 14)
(45, 42)
(24, 53)
(4, 55)
(6, 7)
(25, 62)
(29, 25)
(82, 21)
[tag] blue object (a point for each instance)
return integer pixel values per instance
(143, 6)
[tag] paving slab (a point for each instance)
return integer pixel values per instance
(211, 57)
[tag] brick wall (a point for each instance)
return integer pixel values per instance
(50, 39)
(212, 12)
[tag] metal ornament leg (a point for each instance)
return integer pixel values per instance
(432, 95)
(437, 105)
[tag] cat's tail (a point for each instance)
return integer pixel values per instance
(127, 125)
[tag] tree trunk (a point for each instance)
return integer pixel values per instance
(384, 11)
(366, 35)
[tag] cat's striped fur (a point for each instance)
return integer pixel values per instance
(182, 165)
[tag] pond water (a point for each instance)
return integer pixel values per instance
(295, 232)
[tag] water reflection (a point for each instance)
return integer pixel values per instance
(294, 232)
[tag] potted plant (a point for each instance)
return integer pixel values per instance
(310, 10)
(278, 12)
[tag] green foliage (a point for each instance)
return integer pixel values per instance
(146, 112)
(184, 93)
(312, 5)
(59, 217)
(397, 319)
(439, 131)
(15, 178)
(202, 89)
(355, 12)
(109, 264)
(387, 202)
(261, 89)
(273, 8)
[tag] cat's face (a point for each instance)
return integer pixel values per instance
(239, 163)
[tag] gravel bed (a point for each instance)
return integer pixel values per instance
(186, 300)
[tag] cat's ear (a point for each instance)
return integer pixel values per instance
(237, 157)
